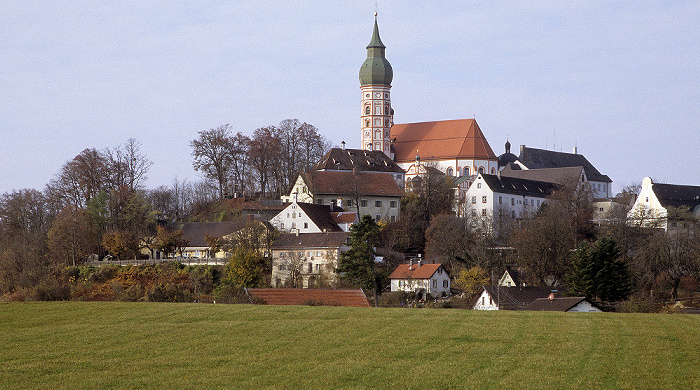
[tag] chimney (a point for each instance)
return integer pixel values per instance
(522, 148)
(342, 145)
(575, 149)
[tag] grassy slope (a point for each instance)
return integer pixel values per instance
(135, 345)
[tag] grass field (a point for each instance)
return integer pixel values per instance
(75, 345)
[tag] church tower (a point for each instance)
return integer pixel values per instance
(375, 82)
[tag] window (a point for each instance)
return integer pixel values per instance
(473, 199)
(311, 268)
(532, 202)
(483, 212)
(319, 201)
(483, 199)
(363, 203)
(367, 123)
(294, 225)
(450, 172)
(512, 201)
(282, 225)
(294, 215)
(377, 203)
(478, 185)
(318, 253)
(434, 283)
(512, 214)
(473, 213)
(318, 267)
(377, 217)
(349, 202)
(466, 171)
(445, 283)
(367, 110)
(500, 199)
(306, 225)
(392, 218)
(481, 169)
(439, 271)
(392, 204)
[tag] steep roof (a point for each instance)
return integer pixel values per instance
(349, 183)
(415, 271)
(675, 195)
(561, 176)
(303, 296)
(517, 186)
(460, 138)
(196, 232)
(556, 304)
(321, 216)
(540, 158)
(310, 240)
(338, 159)
(344, 217)
(516, 298)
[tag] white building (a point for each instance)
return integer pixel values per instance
(494, 198)
(431, 279)
(376, 194)
(312, 218)
(651, 209)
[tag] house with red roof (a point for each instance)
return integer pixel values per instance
(421, 279)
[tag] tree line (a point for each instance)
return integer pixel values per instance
(98, 203)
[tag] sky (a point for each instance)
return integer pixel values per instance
(619, 80)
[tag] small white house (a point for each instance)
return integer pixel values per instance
(423, 279)
(654, 200)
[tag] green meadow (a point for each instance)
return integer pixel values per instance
(105, 345)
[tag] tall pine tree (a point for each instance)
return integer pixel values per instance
(598, 272)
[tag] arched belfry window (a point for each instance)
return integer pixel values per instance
(481, 169)
(367, 110)
(367, 123)
(450, 172)
(466, 171)
(493, 171)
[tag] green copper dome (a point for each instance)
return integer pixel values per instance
(376, 69)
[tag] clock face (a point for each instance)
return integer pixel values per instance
(378, 95)
(366, 95)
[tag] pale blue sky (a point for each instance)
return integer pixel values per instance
(620, 80)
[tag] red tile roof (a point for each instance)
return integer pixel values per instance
(349, 183)
(414, 271)
(302, 296)
(461, 138)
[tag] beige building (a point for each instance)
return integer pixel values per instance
(307, 260)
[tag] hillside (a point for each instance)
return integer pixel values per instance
(161, 345)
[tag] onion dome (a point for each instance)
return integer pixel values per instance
(376, 70)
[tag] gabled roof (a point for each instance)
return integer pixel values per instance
(321, 216)
(338, 159)
(303, 296)
(350, 183)
(516, 186)
(540, 158)
(563, 176)
(675, 195)
(415, 271)
(516, 298)
(196, 232)
(310, 240)
(557, 304)
(461, 138)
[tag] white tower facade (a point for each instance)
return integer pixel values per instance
(375, 83)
